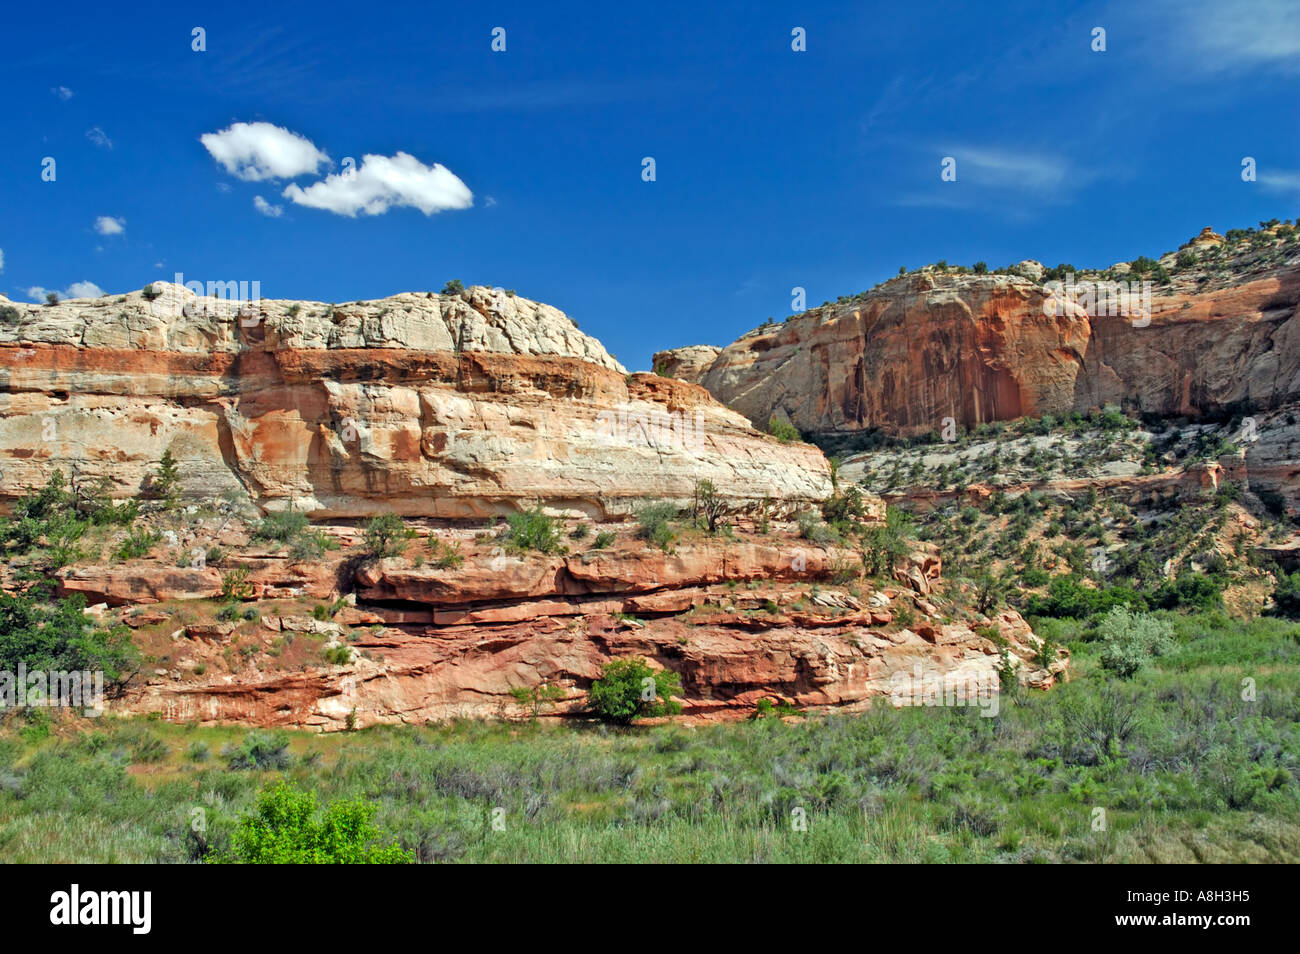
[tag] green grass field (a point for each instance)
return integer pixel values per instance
(1184, 768)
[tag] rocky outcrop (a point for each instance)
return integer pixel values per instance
(688, 364)
(929, 347)
(739, 621)
(450, 406)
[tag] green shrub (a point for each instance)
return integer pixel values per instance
(235, 585)
(1189, 590)
(137, 545)
(164, 482)
(259, 750)
(533, 530)
(783, 430)
(386, 536)
(447, 556)
(282, 526)
(339, 655)
(1067, 596)
(655, 525)
(1129, 640)
(285, 829)
(453, 287)
(311, 546)
(1286, 595)
(604, 539)
(885, 545)
(54, 636)
(629, 688)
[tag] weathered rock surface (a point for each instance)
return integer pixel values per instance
(453, 406)
(977, 348)
(434, 644)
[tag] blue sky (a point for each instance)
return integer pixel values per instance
(774, 168)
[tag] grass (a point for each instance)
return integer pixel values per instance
(1195, 773)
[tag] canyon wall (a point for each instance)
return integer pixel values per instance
(449, 406)
(977, 348)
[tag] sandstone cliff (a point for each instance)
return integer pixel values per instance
(977, 348)
(449, 406)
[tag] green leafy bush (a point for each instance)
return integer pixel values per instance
(533, 530)
(1067, 596)
(259, 750)
(386, 535)
(783, 430)
(1129, 640)
(629, 688)
(286, 829)
(54, 636)
(282, 526)
(137, 545)
(655, 525)
(885, 545)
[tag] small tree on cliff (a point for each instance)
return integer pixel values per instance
(628, 689)
(708, 504)
(386, 536)
(884, 545)
(165, 482)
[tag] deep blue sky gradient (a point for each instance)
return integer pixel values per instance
(775, 168)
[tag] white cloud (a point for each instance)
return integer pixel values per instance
(107, 225)
(157, 264)
(62, 92)
(85, 290)
(99, 137)
(75, 290)
(383, 182)
(2, 260)
(266, 208)
(257, 151)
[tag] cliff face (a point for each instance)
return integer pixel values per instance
(436, 643)
(455, 406)
(979, 348)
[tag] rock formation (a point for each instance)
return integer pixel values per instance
(452, 406)
(930, 346)
(739, 621)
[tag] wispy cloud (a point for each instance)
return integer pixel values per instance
(1211, 37)
(99, 137)
(266, 208)
(1004, 168)
(995, 177)
(62, 92)
(1284, 180)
